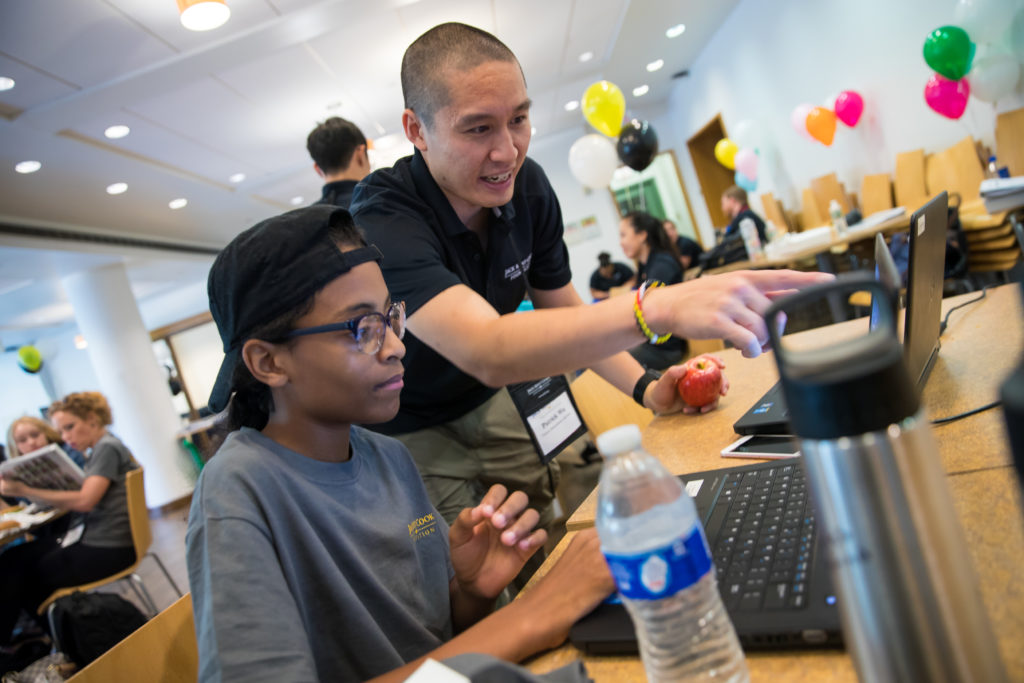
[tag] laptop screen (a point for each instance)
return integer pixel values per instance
(924, 287)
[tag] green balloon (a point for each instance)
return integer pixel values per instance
(949, 51)
(30, 359)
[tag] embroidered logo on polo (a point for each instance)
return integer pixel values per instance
(518, 269)
(422, 527)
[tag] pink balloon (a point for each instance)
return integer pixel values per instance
(746, 163)
(849, 106)
(798, 119)
(947, 97)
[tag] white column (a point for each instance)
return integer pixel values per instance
(131, 379)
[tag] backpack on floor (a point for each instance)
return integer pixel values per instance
(85, 625)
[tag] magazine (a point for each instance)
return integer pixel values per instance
(47, 468)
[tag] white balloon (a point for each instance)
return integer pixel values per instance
(984, 20)
(993, 76)
(747, 134)
(593, 160)
(1016, 35)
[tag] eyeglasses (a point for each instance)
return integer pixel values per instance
(369, 329)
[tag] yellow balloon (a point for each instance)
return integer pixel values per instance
(725, 152)
(604, 107)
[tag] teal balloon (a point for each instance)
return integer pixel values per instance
(745, 182)
(949, 51)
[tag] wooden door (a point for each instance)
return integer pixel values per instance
(713, 177)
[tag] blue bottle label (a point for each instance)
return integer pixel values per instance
(664, 571)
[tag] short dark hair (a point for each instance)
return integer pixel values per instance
(736, 192)
(446, 46)
(654, 228)
(604, 258)
(333, 142)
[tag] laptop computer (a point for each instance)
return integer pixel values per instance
(769, 414)
(772, 572)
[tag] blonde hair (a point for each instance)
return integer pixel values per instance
(84, 404)
(45, 427)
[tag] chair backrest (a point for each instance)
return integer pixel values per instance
(957, 170)
(164, 649)
(603, 407)
(774, 212)
(810, 215)
(909, 184)
(876, 193)
(138, 513)
(1010, 140)
(826, 188)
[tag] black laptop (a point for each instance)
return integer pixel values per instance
(769, 415)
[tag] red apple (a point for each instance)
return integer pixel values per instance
(702, 383)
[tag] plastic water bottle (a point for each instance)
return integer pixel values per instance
(752, 241)
(656, 550)
(835, 212)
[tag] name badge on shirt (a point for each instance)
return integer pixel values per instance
(549, 412)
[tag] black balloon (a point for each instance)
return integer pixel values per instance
(637, 144)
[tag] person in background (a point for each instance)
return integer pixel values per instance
(339, 152)
(27, 434)
(608, 275)
(643, 239)
(735, 208)
(689, 249)
(101, 543)
(314, 553)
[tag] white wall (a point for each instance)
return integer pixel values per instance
(770, 56)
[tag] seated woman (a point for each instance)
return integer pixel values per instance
(98, 546)
(27, 434)
(313, 550)
(643, 238)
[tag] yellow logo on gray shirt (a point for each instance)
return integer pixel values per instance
(423, 526)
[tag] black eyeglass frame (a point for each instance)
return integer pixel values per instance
(352, 326)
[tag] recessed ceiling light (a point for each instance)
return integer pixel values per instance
(295, 201)
(586, 56)
(6, 83)
(676, 31)
(80, 342)
(117, 188)
(640, 91)
(27, 166)
(203, 15)
(179, 203)
(237, 178)
(656, 64)
(572, 105)
(118, 131)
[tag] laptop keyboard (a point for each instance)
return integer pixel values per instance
(763, 523)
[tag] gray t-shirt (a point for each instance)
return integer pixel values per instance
(107, 525)
(303, 570)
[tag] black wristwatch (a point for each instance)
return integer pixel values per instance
(641, 385)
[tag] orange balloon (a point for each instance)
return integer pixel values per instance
(821, 124)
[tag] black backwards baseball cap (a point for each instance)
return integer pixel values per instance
(270, 269)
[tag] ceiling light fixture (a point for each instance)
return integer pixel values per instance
(203, 15)
(640, 90)
(118, 131)
(572, 105)
(237, 177)
(80, 342)
(27, 166)
(586, 56)
(295, 201)
(179, 203)
(656, 64)
(676, 31)
(6, 83)
(117, 188)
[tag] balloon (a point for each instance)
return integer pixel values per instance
(798, 119)
(29, 359)
(949, 51)
(604, 106)
(725, 152)
(746, 183)
(984, 20)
(592, 160)
(994, 76)
(821, 124)
(746, 163)
(747, 134)
(849, 106)
(637, 144)
(947, 97)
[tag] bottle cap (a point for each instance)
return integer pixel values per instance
(619, 440)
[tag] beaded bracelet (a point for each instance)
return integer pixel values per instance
(638, 311)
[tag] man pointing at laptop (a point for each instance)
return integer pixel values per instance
(468, 225)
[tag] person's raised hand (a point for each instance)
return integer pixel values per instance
(730, 306)
(491, 542)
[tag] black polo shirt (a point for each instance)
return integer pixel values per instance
(338, 193)
(427, 249)
(620, 273)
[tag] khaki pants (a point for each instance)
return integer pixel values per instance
(460, 460)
